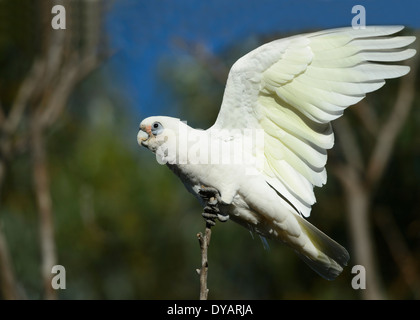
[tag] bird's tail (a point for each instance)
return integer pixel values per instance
(328, 258)
(324, 255)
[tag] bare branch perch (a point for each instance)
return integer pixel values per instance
(204, 241)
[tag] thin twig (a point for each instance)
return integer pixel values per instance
(204, 241)
(73, 72)
(25, 93)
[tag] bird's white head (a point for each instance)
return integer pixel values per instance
(159, 134)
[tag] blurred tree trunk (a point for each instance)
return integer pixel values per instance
(358, 201)
(66, 57)
(43, 197)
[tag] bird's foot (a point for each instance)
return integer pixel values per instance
(210, 194)
(211, 211)
(210, 214)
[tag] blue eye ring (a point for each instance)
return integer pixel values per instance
(157, 128)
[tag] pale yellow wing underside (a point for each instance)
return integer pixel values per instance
(294, 87)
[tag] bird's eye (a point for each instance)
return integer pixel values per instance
(157, 128)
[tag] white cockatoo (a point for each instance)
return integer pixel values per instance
(268, 147)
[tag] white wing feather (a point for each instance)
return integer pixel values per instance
(294, 87)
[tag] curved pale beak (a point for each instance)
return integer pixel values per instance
(142, 138)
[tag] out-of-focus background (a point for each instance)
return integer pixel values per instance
(76, 190)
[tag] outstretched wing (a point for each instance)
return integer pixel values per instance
(294, 87)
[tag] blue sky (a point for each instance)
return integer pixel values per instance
(142, 31)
